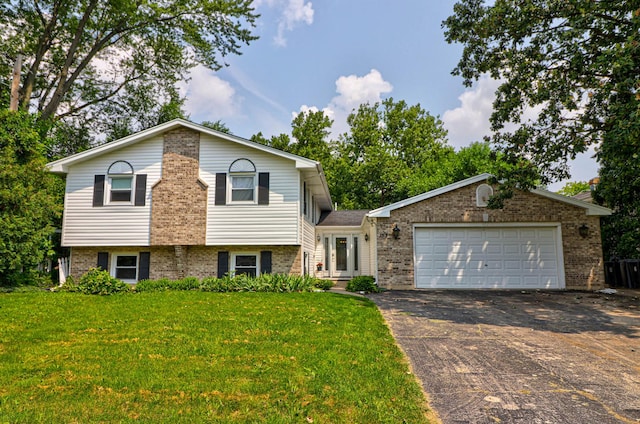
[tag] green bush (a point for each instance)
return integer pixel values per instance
(363, 283)
(323, 284)
(97, 281)
(100, 282)
(153, 285)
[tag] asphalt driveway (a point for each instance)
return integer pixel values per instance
(516, 357)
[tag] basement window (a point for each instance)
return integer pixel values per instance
(245, 263)
(125, 267)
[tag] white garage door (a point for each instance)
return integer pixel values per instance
(488, 257)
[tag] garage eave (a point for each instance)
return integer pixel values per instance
(385, 211)
(590, 208)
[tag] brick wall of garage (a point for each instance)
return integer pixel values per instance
(197, 261)
(582, 256)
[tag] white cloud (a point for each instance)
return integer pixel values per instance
(469, 122)
(352, 92)
(209, 97)
(293, 13)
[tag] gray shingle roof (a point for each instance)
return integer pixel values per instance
(342, 218)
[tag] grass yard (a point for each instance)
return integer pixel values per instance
(201, 357)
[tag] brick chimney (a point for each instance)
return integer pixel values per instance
(179, 199)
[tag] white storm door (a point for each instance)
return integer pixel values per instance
(340, 255)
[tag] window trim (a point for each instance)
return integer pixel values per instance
(109, 190)
(119, 174)
(234, 255)
(254, 189)
(483, 193)
(114, 266)
(242, 167)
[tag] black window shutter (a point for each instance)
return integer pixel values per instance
(141, 189)
(265, 262)
(103, 260)
(143, 267)
(223, 263)
(98, 190)
(221, 189)
(263, 188)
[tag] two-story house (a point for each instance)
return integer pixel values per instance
(180, 199)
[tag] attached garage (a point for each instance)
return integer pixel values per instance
(488, 256)
(449, 239)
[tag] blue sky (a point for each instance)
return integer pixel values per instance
(333, 55)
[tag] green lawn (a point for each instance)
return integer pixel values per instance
(201, 357)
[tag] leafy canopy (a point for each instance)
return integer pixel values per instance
(566, 59)
(576, 64)
(103, 59)
(391, 151)
(29, 196)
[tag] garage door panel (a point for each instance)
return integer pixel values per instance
(508, 257)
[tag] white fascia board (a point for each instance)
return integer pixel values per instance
(325, 185)
(385, 211)
(62, 165)
(591, 209)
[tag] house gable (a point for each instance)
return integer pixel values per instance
(590, 209)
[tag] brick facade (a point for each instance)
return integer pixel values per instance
(582, 256)
(197, 261)
(179, 199)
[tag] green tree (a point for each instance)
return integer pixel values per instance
(574, 187)
(218, 126)
(576, 62)
(29, 196)
(389, 144)
(311, 132)
(88, 59)
(280, 141)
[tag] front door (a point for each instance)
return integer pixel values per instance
(340, 257)
(345, 256)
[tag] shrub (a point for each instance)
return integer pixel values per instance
(97, 281)
(363, 283)
(213, 284)
(153, 285)
(323, 284)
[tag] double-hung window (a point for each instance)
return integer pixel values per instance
(125, 267)
(242, 181)
(245, 263)
(120, 183)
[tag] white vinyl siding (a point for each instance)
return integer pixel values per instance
(309, 243)
(250, 224)
(111, 224)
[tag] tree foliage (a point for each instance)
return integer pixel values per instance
(29, 195)
(389, 144)
(391, 151)
(574, 187)
(577, 64)
(92, 59)
(218, 126)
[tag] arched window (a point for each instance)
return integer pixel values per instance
(242, 181)
(483, 193)
(120, 180)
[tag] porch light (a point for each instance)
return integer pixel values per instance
(583, 230)
(366, 237)
(396, 232)
(318, 237)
